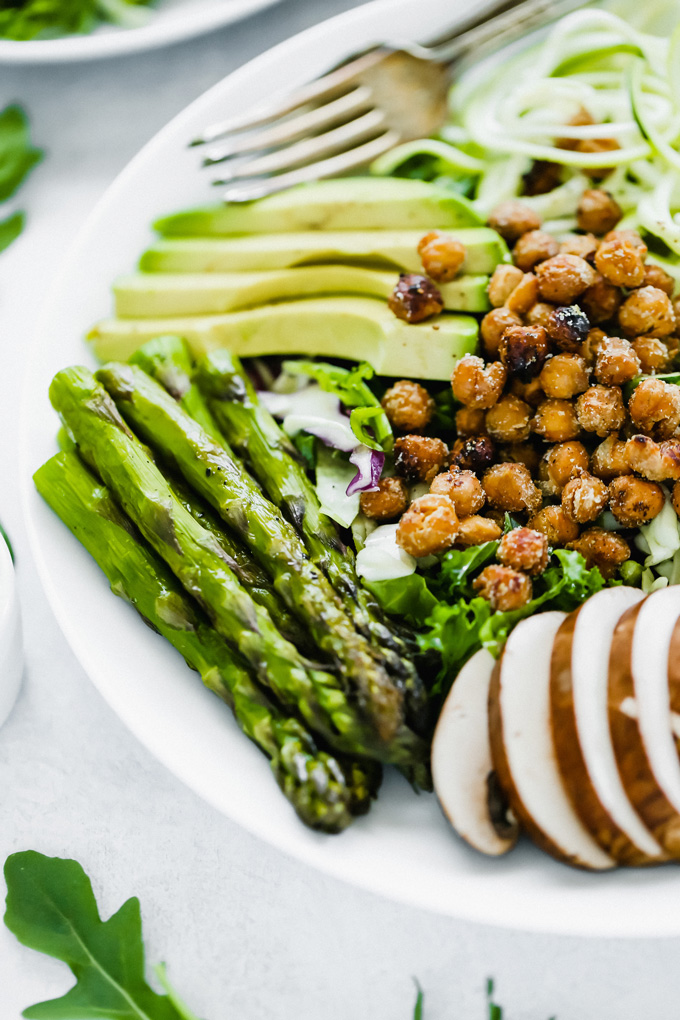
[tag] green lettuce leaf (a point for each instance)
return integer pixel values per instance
(408, 597)
(458, 566)
(17, 155)
(10, 229)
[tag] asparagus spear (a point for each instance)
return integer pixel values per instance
(198, 561)
(324, 794)
(158, 419)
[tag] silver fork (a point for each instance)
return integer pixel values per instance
(341, 122)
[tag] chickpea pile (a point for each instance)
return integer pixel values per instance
(550, 426)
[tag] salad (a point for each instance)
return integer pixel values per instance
(400, 451)
(45, 19)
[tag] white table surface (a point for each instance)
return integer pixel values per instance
(247, 933)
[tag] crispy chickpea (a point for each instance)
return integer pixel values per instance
(601, 301)
(610, 459)
(539, 314)
(555, 525)
(475, 530)
(389, 500)
(647, 311)
(564, 376)
(521, 453)
(568, 326)
(653, 354)
(530, 392)
(616, 362)
(476, 453)
(620, 263)
(675, 498)
(524, 549)
(561, 462)
(523, 350)
(583, 245)
(542, 177)
(591, 346)
(419, 458)
(476, 384)
(428, 527)
(627, 235)
(415, 298)
(512, 219)
(579, 119)
(502, 283)
(509, 420)
(504, 588)
(533, 247)
(658, 462)
(655, 408)
(584, 497)
(408, 405)
(601, 410)
(556, 421)
(564, 278)
(510, 487)
(524, 295)
(597, 146)
(463, 487)
(441, 256)
(493, 326)
(602, 549)
(657, 277)
(634, 501)
(470, 421)
(598, 211)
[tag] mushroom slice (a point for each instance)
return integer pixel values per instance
(640, 719)
(522, 746)
(580, 722)
(462, 770)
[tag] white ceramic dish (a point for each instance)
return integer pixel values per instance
(171, 21)
(404, 849)
(11, 650)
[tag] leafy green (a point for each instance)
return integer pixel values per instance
(10, 229)
(17, 155)
(51, 908)
(458, 565)
(420, 998)
(409, 597)
(29, 19)
(306, 447)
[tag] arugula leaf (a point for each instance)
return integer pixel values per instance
(51, 908)
(29, 19)
(457, 566)
(409, 597)
(17, 155)
(420, 998)
(10, 229)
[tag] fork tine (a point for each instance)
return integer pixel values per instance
(315, 91)
(307, 150)
(352, 159)
(294, 128)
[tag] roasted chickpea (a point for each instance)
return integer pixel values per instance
(596, 146)
(568, 326)
(476, 530)
(556, 421)
(419, 458)
(655, 408)
(502, 283)
(539, 314)
(509, 420)
(620, 263)
(598, 211)
(555, 525)
(530, 392)
(584, 497)
(602, 549)
(561, 462)
(542, 177)
(463, 487)
(415, 298)
(441, 255)
(524, 549)
(583, 245)
(408, 405)
(493, 326)
(476, 453)
(564, 278)
(521, 453)
(601, 301)
(675, 498)
(610, 459)
(428, 527)
(523, 350)
(564, 376)
(389, 500)
(510, 487)
(616, 362)
(647, 311)
(628, 235)
(658, 462)
(476, 384)
(591, 346)
(470, 421)
(579, 119)
(634, 501)
(601, 410)
(657, 277)
(504, 588)
(533, 247)
(524, 295)
(653, 354)
(512, 219)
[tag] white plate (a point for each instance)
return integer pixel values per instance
(11, 651)
(171, 21)
(404, 849)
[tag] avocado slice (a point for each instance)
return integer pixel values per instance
(350, 203)
(341, 327)
(377, 249)
(142, 295)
